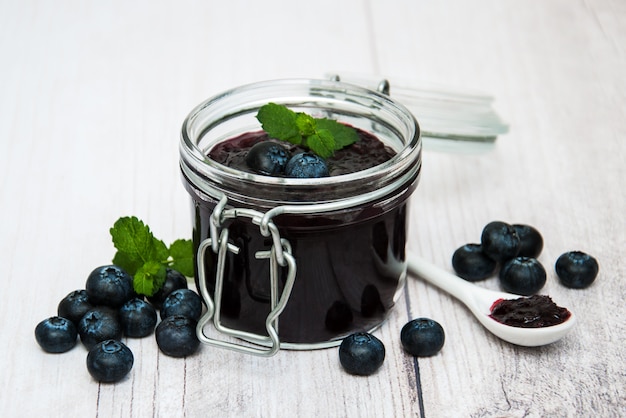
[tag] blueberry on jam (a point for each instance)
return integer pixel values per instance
(306, 165)
(366, 153)
(269, 158)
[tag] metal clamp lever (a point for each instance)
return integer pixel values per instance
(270, 344)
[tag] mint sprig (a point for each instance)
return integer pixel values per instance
(320, 135)
(146, 258)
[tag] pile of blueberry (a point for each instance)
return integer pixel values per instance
(108, 309)
(272, 159)
(515, 248)
(362, 353)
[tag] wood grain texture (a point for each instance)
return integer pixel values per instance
(92, 97)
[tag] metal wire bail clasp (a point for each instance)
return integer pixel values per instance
(280, 257)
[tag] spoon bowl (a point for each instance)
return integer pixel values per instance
(480, 301)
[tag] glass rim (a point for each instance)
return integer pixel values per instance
(193, 156)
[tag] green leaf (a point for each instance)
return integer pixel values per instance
(322, 143)
(322, 136)
(135, 240)
(305, 124)
(146, 258)
(343, 135)
(181, 252)
(279, 122)
(128, 263)
(149, 278)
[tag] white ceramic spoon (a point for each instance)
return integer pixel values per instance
(480, 301)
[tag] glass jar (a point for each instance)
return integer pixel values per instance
(298, 263)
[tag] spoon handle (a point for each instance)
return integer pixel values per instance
(442, 279)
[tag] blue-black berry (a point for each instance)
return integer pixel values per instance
(109, 286)
(422, 337)
(184, 302)
(472, 264)
(522, 276)
(99, 324)
(361, 353)
(137, 318)
(500, 241)
(174, 280)
(306, 165)
(176, 336)
(56, 334)
(109, 361)
(268, 158)
(531, 241)
(576, 269)
(74, 306)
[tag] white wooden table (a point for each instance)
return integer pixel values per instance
(92, 97)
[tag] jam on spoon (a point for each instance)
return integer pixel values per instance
(536, 311)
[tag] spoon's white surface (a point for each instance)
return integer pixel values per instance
(480, 300)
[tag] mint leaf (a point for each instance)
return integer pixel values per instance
(135, 240)
(182, 257)
(146, 258)
(279, 122)
(149, 278)
(305, 123)
(322, 136)
(129, 263)
(322, 143)
(344, 135)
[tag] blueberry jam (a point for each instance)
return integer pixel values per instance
(536, 311)
(350, 263)
(348, 272)
(365, 153)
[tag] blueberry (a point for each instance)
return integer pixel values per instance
(109, 286)
(56, 334)
(267, 158)
(500, 241)
(471, 263)
(74, 306)
(99, 324)
(422, 337)
(137, 318)
(184, 302)
(361, 353)
(576, 269)
(176, 336)
(306, 165)
(522, 276)
(109, 361)
(173, 281)
(531, 241)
